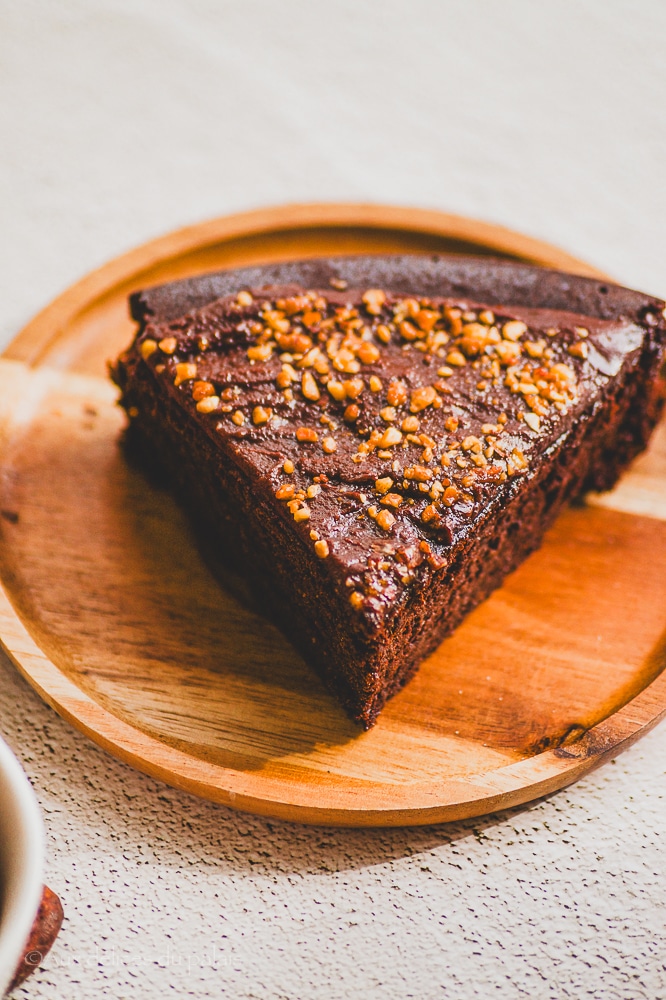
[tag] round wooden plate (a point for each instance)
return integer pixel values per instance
(110, 613)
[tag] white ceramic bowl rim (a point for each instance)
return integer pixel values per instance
(21, 862)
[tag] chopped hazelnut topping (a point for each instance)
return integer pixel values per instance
(336, 389)
(532, 421)
(445, 372)
(351, 413)
(288, 466)
(185, 372)
(418, 473)
(411, 307)
(475, 337)
(535, 348)
(309, 386)
(356, 599)
(238, 418)
(563, 373)
(368, 353)
(397, 393)
(408, 331)
(311, 318)
(375, 384)
(321, 548)
(383, 485)
(456, 358)
(308, 360)
(147, 348)
(313, 491)
(527, 389)
(168, 345)
(306, 434)
(426, 319)
(285, 492)
(451, 494)
(390, 437)
(344, 361)
(578, 350)
(260, 415)
(392, 500)
(508, 352)
(329, 445)
(287, 375)
(354, 387)
(410, 425)
(244, 299)
(302, 514)
(385, 520)
(388, 414)
(373, 300)
(208, 404)
(276, 320)
(260, 352)
(429, 513)
(202, 389)
(513, 330)
(384, 334)
(422, 398)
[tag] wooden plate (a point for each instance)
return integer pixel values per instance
(111, 615)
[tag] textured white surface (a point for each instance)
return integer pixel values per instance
(122, 119)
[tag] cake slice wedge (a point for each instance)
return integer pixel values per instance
(376, 442)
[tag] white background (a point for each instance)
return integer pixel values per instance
(121, 120)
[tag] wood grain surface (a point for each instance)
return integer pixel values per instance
(109, 611)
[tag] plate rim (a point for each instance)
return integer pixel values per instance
(419, 803)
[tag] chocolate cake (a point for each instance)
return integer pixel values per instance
(375, 442)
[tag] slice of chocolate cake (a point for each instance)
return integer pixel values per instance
(376, 442)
